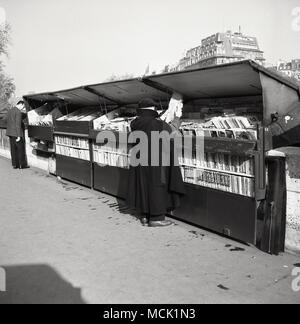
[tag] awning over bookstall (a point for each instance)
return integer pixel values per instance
(220, 81)
(77, 97)
(245, 78)
(129, 91)
(216, 82)
(125, 92)
(238, 79)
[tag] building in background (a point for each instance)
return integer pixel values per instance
(222, 48)
(290, 69)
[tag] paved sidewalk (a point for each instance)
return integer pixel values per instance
(61, 243)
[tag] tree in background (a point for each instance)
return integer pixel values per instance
(4, 38)
(7, 86)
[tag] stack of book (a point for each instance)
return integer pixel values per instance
(111, 156)
(73, 153)
(219, 171)
(73, 147)
(119, 125)
(219, 162)
(43, 116)
(117, 120)
(240, 185)
(83, 114)
(71, 141)
(233, 127)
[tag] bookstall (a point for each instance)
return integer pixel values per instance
(233, 105)
(111, 164)
(42, 112)
(244, 89)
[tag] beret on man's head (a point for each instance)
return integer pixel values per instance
(148, 103)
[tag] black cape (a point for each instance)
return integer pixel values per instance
(154, 190)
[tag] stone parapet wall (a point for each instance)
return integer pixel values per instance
(33, 159)
(293, 198)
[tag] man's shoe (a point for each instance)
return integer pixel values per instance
(144, 221)
(15, 167)
(25, 167)
(160, 223)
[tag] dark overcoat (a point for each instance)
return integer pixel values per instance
(14, 123)
(154, 190)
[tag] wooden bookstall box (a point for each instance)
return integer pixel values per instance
(75, 170)
(77, 123)
(110, 175)
(43, 133)
(73, 147)
(111, 180)
(76, 128)
(41, 117)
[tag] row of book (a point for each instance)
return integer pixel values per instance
(111, 155)
(238, 134)
(73, 152)
(234, 127)
(119, 125)
(217, 180)
(232, 122)
(83, 114)
(225, 163)
(120, 148)
(71, 141)
(219, 161)
(116, 120)
(111, 159)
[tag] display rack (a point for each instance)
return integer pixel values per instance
(73, 146)
(223, 188)
(40, 119)
(110, 165)
(43, 133)
(111, 161)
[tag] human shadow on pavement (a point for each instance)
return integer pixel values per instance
(36, 284)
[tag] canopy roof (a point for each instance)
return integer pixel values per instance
(229, 80)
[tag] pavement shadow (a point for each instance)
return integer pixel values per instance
(37, 284)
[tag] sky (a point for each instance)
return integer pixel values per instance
(60, 44)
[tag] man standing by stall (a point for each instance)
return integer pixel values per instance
(15, 132)
(153, 190)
